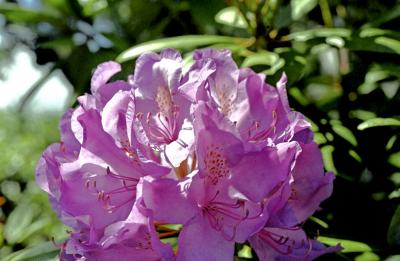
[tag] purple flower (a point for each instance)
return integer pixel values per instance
(216, 150)
(286, 244)
(135, 237)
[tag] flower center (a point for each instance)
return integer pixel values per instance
(215, 163)
(164, 101)
(225, 102)
(225, 216)
(107, 197)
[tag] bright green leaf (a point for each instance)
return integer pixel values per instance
(355, 155)
(245, 252)
(348, 245)
(301, 7)
(345, 133)
(394, 159)
(187, 41)
(260, 58)
(231, 16)
(319, 33)
(319, 138)
(390, 143)
(389, 42)
(319, 222)
(367, 256)
(378, 122)
(362, 114)
(327, 157)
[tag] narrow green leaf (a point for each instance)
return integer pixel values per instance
(389, 15)
(231, 16)
(393, 235)
(348, 245)
(260, 58)
(327, 157)
(367, 256)
(319, 222)
(43, 252)
(187, 41)
(362, 114)
(377, 122)
(18, 221)
(301, 7)
(345, 133)
(355, 155)
(389, 42)
(303, 36)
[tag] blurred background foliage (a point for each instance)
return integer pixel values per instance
(341, 57)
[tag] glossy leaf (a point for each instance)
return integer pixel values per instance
(344, 132)
(231, 16)
(367, 256)
(188, 41)
(302, 7)
(349, 246)
(378, 122)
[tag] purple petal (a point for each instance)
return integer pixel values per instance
(287, 244)
(165, 198)
(259, 173)
(155, 71)
(102, 74)
(311, 185)
(198, 241)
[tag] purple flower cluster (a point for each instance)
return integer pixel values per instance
(214, 149)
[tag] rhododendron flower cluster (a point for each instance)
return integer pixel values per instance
(215, 150)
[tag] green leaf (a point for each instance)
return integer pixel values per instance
(393, 235)
(389, 42)
(43, 252)
(327, 157)
(231, 16)
(367, 256)
(301, 7)
(18, 221)
(362, 114)
(245, 252)
(303, 36)
(384, 17)
(344, 132)
(378, 122)
(16, 13)
(348, 245)
(187, 42)
(264, 58)
(319, 222)
(374, 40)
(394, 159)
